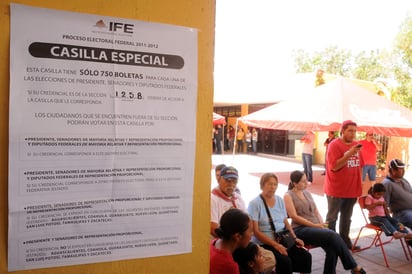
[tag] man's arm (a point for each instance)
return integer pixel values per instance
(214, 215)
(377, 145)
(341, 162)
(388, 191)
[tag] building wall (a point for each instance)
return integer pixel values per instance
(318, 149)
(399, 147)
(199, 14)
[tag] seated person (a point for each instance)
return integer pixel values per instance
(224, 197)
(398, 195)
(295, 259)
(379, 214)
(249, 259)
(235, 231)
(218, 168)
(309, 226)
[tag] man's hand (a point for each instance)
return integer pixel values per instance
(353, 150)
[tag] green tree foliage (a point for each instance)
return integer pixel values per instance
(371, 65)
(402, 93)
(332, 60)
(403, 41)
(391, 68)
(403, 71)
(364, 65)
(303, 61)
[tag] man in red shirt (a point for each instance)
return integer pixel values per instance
(343, 184)
(369, 148)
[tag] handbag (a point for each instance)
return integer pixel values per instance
(284, 237)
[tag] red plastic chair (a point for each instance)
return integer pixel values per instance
(377, 240)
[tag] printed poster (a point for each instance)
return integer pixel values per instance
(102, 138)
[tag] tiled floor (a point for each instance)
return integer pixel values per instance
(252, 167)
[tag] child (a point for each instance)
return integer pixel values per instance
(379, 214)
(249, 259)
(235, 231)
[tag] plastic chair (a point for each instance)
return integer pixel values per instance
(377, 240)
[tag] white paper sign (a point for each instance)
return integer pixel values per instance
(102, 138)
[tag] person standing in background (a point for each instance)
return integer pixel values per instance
(240, 136)
(254, 140)
(231, 137)
(213, 140)
(307, 154)
(218, 139)
(331, 137)
(248, 139)
(369, 149)
(226, 139)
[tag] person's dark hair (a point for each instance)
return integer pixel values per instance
(295, 178)
(232, 221)
(219, 167)
(376, 188)
(265, 177)
(243, 256)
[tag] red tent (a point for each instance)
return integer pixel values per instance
(218, 119)
(325, 107)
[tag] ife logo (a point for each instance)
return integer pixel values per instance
(116, 26)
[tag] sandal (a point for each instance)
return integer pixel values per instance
(360, 271)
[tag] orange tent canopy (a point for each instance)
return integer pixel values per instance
(327, 106)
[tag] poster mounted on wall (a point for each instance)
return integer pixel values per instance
(102, 138)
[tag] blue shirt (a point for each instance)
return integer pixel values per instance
(257, 212)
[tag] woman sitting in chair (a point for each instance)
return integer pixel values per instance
(309, 226)
(269, 218)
